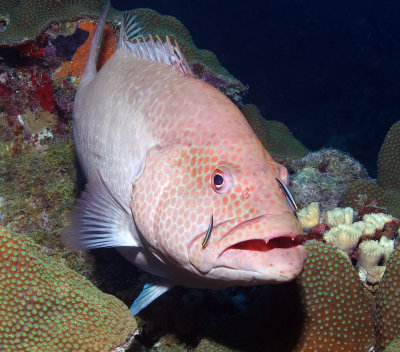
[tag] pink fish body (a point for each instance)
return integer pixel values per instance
(177, 178)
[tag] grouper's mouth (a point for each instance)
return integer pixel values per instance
(261, 245)
(264, 244)
(266, 248)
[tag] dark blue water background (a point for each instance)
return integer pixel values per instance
(330, 70)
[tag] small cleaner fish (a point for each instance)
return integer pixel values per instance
(177, 179)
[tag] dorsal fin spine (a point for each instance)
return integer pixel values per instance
(131, 29)
(151, 48)
(91, 66)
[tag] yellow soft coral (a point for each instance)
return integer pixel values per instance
(339, 216)
(309, 216)
(343, 236)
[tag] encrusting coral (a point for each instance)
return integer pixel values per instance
(27, 19)
(76, 65)
(325, 309)
(38, 190)
(203, 63)
(322, 177)
(389, 160)
(274, 135)
(208, 345)
(368, 243)
(385, 194)
(337, 311)
(47, 307)
(387, 313)
(46, 72)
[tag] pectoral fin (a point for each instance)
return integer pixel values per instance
(100, 219)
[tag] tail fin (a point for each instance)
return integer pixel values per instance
(91, 66)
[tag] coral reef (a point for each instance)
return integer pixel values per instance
(393, 346)
(325, 309)
(209, 345)
(37, 189)
(339, 216)
(322, 177)
(389, 160)
(27, 19)
(309, 216)
(203, 63)
(47, 307)
(343, 236)
(34, 112)
(337, 311)
(387, 302)
(62, 43)
(274, 135)
(385, 194)
(76, 65)
(368, 243)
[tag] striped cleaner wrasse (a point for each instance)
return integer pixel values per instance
(177, 179)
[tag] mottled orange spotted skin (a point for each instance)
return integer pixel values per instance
(173, 199)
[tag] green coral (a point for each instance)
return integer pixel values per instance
(209, 345)
(274, 135)
(389, 160)
(26, 19)
(363, 193)
(47, 307)
(201, 61)
(394, 346)
(384, 194)
(37, 190)
(387, 313)
(337, 310)
(325, 309)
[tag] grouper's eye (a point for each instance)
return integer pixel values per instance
(288, 195)
(221, 180)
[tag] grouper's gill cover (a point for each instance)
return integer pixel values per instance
(177, 179)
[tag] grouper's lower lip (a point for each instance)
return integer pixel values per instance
(262, 245)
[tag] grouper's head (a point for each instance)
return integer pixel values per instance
(219, 214)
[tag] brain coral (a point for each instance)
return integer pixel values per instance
(394, 346)
(386, 193)
(209, 345)
(337, 310)
(389, 160)
(387, 313)
(47, 307)
(274, 135)
(326, 309)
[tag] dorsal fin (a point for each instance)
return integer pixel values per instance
(147, 47)
(132, 27)
(91, 65)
